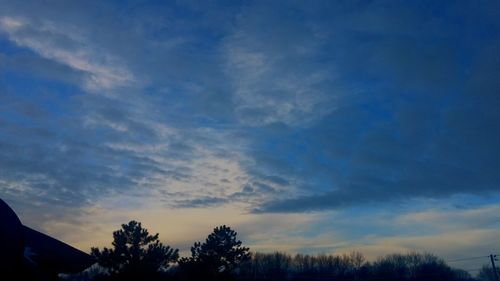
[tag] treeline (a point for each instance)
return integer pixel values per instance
(138, 255)
(411, 266)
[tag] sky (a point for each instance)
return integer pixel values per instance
(306, 126)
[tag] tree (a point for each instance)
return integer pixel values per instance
(218, 258)
(412, 266)
(135, 254)
(486, 273)
(273, 266)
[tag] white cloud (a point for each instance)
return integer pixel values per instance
(206, 173)
(485, 216)
(67, 45)
(10, 24)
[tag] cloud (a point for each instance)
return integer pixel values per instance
(66, 45)
(294, 111)
(448, 220)
(201, 202)
(418, 126)
(124, 140)
(450, 245)
(275, 75)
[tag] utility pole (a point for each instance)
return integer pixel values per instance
(493, 258)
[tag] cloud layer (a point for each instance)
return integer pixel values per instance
(264, 108)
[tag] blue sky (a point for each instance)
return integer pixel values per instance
(323, 126)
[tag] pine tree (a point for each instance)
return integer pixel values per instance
(135, 254)
(218, 258)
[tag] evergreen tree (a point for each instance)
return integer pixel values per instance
(135, 254)
(216, 259)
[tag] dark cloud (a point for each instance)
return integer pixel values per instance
(321, 105)
(425, 128)
(201, 202)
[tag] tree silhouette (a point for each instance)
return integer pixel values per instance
(135, 254)
(216, 259)
(412, 266)
(486, 273)
(350, 267)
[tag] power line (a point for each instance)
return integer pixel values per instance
(466, 259)
(474, 269)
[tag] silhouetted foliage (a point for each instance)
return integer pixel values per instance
(461, 275)
(217, 259)
(94, 272)
(274, 266)
(486, 273)
(282, 266)
(412, 266)
(136, 255)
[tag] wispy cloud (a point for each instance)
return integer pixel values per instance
(67, 45)
(275, 75)
(295, 111)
